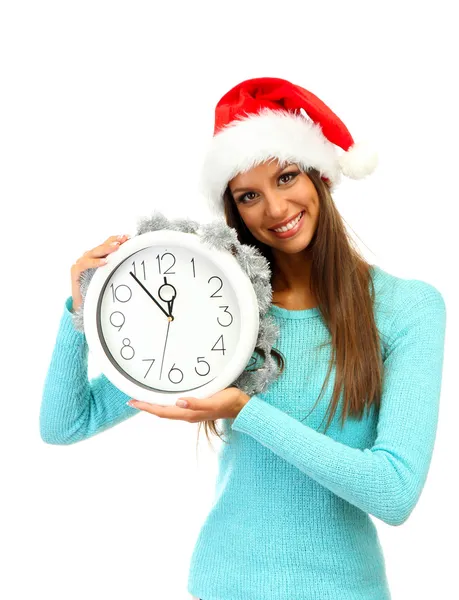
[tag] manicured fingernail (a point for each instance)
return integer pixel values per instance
(182, 403)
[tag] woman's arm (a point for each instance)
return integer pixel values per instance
(387, 479)
(73, 408)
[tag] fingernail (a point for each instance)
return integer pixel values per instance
(182, 403)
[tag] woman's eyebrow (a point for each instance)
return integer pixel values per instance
(275, 175)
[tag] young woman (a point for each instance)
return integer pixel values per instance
(292, 513)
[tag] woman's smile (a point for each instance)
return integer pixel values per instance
(292, 230)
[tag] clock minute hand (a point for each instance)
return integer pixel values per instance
(145, 289)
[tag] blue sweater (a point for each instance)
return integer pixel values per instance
(291, 517)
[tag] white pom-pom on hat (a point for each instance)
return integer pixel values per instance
(359, 161)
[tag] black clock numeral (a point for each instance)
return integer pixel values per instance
(227, 311)
(127, 345)
(174, 368)
(116, 292)
(221, 282)
(194, 272)
(222, 349)
(202, 361)
(253, 361)
(160, 258)
(143, 265)
(117, 312)
(152, 361)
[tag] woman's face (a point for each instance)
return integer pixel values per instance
(268, 195)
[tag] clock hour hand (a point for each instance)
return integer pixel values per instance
(145, 289)
(168, 293)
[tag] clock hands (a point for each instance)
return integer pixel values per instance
(168, 293)
(164, 350)
(169, 316)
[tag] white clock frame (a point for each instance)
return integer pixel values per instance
(236, 278)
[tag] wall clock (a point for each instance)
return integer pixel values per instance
(178, 310)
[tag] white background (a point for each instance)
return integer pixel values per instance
(106, 109)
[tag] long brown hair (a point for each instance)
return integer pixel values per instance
(341, 282)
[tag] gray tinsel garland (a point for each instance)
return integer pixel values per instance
(219, 235)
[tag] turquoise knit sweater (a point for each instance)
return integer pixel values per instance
(291, 517)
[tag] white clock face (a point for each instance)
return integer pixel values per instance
(168, 318)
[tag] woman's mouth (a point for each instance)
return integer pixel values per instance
(290, 230)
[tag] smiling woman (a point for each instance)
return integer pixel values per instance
(292, 510)
(345, 326)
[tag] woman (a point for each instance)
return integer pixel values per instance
(292, 512)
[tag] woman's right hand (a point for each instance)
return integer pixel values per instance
(90, 260)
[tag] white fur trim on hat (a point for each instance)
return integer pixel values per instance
(246, 143)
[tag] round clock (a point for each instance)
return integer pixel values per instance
(176, 311)
(170, 316)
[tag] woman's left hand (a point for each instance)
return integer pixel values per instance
(225, 404)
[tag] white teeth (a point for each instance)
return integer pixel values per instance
(291, 224)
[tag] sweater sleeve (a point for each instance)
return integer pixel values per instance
(73, 408)
(385, 480)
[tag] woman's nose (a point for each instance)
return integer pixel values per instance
(276, 205)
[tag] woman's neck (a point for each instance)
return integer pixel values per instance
(290, 283)
(291, 272)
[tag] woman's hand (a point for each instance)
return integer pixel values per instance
(225, 404)
(92, 259)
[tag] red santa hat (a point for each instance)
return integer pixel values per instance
(267, 118)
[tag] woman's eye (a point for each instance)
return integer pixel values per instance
(292, 175)
(241, 198)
